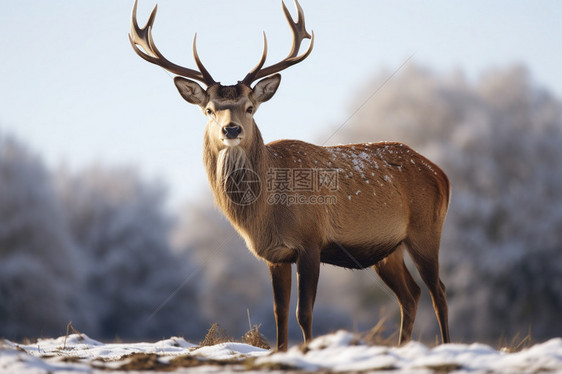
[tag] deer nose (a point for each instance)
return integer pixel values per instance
(231, 131)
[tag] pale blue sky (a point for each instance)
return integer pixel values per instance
(73, 89)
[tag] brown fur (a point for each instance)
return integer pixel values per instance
(230, 92)
(388, 199)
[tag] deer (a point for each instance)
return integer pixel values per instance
(385, 198)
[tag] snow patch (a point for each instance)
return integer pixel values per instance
(230, 351)
(338, 352)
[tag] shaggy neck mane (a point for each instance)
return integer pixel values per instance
(237, 176)
(230, 160)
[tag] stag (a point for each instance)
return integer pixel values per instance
(384, 198)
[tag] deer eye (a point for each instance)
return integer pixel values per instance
(209, 111)
(250, 110)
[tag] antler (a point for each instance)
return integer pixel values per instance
(299, 34)
(143, 37)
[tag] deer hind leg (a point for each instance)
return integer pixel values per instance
(424, 250)
(395, 274)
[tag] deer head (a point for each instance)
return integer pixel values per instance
(229, 109)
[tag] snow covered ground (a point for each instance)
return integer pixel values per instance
(338, 352)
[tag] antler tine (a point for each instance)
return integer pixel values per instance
(298, 29)
(138, 36)
(251, 76)
(143, 37)
(204, 72)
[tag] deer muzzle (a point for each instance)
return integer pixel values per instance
(231, 131)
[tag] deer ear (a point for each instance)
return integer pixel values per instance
(191, 91)
(266, 88)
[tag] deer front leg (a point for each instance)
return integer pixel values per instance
(281, 281)
(308, 270)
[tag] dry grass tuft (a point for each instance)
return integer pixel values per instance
(515, 344)
(255, 338)
(215, 335)
(70, 328)
(377, 336)
(218, 335)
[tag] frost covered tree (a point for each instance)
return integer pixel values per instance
(39, 277)
(133, 279)
(499, 139)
